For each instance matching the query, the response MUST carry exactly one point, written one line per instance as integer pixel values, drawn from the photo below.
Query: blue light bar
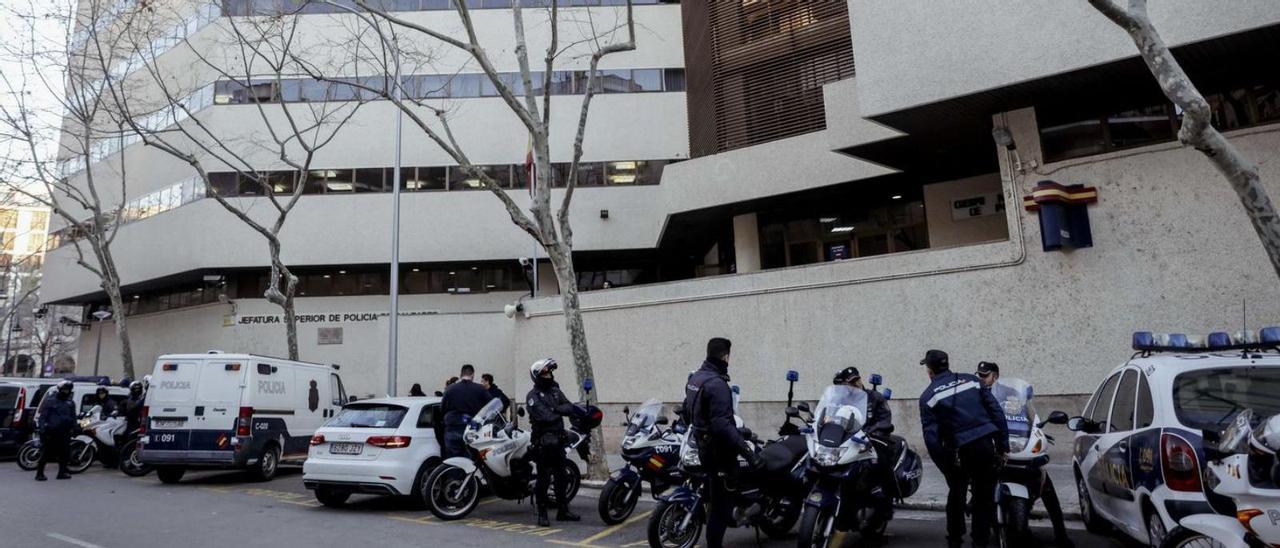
(1269, 335)
(1144, 340)
(1178, 340)
(1218, 340)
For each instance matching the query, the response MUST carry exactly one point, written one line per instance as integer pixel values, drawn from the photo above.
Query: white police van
(215, 410)
(1138, 452)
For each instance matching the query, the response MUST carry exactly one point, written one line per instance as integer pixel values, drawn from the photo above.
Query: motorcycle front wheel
(665, 529)
(80, 456)
(618, 500)
(130, 462)
(1012, 530)
(1182, 537)
(29, 456)
(451, 493)
(780, 518)
(816, 526)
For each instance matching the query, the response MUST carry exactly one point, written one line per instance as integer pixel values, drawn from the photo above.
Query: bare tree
(1197, 130)
(54, 99)
(293, 134)
(548, 225)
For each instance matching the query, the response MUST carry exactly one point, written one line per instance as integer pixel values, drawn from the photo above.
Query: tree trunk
(282, 277)
(1197, 129)
(111, 284)
(562, 262)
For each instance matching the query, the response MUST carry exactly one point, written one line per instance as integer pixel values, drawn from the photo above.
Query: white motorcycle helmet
(539, 367)
(1267, 435)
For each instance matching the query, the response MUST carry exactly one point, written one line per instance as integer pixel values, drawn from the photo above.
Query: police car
(1137, 457)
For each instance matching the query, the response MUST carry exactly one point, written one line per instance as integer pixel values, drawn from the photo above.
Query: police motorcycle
(1022, 476)
(768, 498)
(82, 450)
(1242, 480)
(499, 459)
(849, 491)
(651, 453)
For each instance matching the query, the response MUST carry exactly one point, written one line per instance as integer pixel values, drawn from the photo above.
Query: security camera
(525, 262)
(511, 309)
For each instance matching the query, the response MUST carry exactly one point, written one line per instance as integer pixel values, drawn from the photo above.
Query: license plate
(346, 448)
(157, 423)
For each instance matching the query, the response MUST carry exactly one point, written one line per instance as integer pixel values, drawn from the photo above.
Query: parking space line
(72, 540)
(425, 520)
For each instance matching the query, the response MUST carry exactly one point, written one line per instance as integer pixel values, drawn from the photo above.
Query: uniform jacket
(708, 406)
(957, 409)
(463, 398)
(547, 408)
(57, 416)
(880, 417)
(495, 392)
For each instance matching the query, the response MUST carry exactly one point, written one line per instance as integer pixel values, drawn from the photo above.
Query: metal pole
(394, 343)
(98, 352)
(8, 339)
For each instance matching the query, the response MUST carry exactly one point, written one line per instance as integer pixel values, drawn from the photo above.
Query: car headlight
(826, 456)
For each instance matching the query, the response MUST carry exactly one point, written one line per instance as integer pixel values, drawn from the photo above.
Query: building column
(746, 243)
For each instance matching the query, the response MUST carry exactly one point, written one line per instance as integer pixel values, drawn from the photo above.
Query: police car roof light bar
(1146, 342)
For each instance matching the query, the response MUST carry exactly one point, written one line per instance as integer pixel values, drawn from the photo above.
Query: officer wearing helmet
(56, 421)
(133, 406)
(102, 399)
(879, 421)
(547, 408)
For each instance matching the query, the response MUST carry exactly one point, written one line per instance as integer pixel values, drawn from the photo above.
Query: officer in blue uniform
(968, 439)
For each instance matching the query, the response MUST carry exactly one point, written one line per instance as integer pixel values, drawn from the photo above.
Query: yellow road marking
(587, 541)
(421, 521)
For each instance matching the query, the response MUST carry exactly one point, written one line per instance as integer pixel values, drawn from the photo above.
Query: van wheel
(331, 498)
(268, 463)
(170, 474)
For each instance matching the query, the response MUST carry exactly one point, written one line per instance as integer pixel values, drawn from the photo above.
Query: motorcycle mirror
(1211, 437)
(520, 411)
(1077, 424)
(680, 429)
(626, 410)
(1058, 417)
(793, 412)
(662, 421)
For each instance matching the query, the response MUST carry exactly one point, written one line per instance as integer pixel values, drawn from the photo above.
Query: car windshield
(368, 415)
(1208, 399)
(645, 417)
(1013, 396)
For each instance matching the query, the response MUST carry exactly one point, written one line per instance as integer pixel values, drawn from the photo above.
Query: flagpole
(393, 345)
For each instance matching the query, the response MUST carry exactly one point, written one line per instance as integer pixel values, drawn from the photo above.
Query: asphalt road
(106, 509)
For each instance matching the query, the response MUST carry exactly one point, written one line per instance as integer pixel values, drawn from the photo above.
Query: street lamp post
(102, 316)
(7, 343)
(393, 345)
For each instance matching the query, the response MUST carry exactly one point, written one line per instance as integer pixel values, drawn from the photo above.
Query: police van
(234, 411)
(1138, 454)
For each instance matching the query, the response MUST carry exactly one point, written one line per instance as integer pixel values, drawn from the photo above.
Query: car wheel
(268, 463)
(331, 498)
(1092, 521)
(170, 474)
(420, 481)
(1156, 532)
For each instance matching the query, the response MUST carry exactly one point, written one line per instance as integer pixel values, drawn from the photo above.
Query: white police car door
(1092, 445)
(1116, 460)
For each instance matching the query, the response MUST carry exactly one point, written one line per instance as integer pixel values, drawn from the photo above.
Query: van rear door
(172, 403)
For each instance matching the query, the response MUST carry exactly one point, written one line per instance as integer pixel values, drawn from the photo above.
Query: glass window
(368, 180)
(674, 79)
(281, 182)
(580, 80)
(646, 79)
(466, 280)
(1209, 398)
(590, 174)
(427, 418)
(368, 415)
(335, 180)
(612, 81)
(1122, 408)
(1146, 412)
(1139, 127)
(423, 178)
(1073, 139)
(1266, 103)
(1101, 406)
(465, 85)
(462, 179)
(428, 86)
(342, 91)
(436, 5)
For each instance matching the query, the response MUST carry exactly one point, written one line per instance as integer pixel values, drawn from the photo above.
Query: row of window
(443, 86)
(378, 179)
(278, 7)
(1066, 136)
(155, 121)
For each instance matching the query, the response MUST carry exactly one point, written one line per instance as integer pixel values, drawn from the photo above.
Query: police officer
(968, 439)
(56, 422)
(102, 398)
(462, 399)
(547, 409)
(989, 373)
(132, 407)
(879, 417)
(708, 405)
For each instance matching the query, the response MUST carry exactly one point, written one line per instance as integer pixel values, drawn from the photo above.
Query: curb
(925, 505)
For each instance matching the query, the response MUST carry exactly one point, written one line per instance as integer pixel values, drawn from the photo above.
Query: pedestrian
(463, 398)
(57, 421)
(1019, 423)
(968, 439)
(708, 404)
(416, 391)
(486, 380)
(547, 407)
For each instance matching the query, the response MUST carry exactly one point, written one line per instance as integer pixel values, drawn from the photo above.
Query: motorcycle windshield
(489, 412)
(645, 417)
(1013, 395)
(840, 412)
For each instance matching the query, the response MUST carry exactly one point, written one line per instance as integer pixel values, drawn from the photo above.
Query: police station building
(826, 183)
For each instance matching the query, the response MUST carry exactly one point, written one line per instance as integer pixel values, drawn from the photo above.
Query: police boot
(40, 476)
(563, 514)
(1060, 538)
(542, 517)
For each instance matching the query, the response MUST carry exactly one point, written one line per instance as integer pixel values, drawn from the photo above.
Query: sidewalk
(932, 495)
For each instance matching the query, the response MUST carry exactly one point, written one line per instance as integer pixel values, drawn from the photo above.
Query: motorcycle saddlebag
(907, 473)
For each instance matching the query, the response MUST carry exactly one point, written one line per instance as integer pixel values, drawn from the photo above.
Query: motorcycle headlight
(471, 436)
(691, 459)
(628, 442)
(826, 456)
(1016, 445)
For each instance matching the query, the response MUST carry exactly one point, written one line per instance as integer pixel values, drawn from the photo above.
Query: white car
(1138, 452)
(382, 446)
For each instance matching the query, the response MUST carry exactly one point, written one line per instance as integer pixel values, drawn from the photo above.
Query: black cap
(718, 347)
(846, 375)
(988, 367)
(936, 360)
